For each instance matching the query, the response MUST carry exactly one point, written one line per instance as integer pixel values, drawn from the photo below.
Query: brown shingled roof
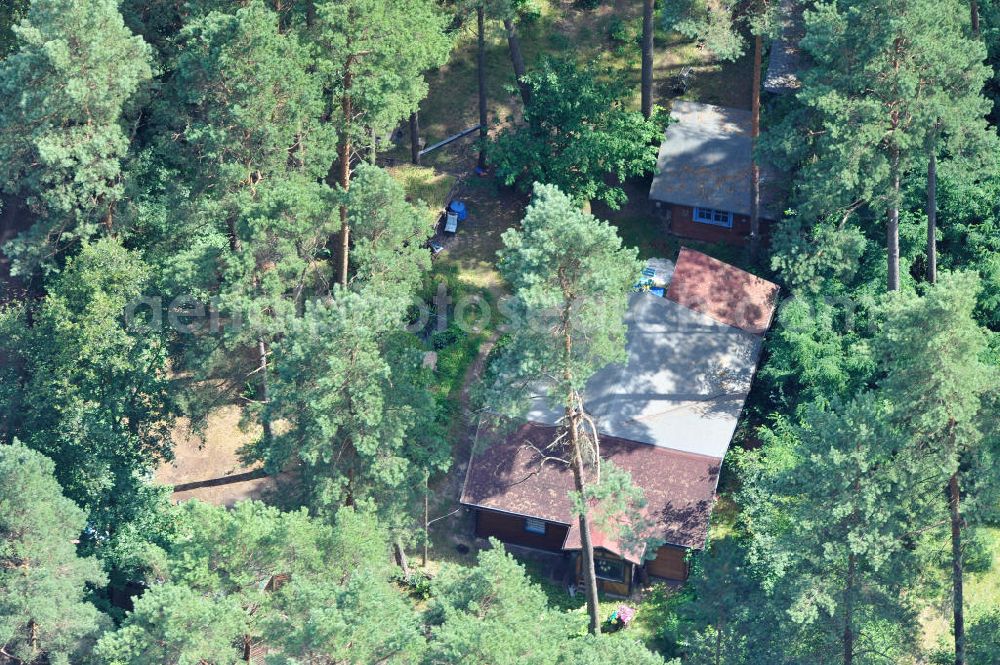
(723, 292)
(679, 487)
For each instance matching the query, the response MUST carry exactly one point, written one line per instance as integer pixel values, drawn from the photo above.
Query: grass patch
(982, 595)
(982, 590)
(647, 234)
(424, 183)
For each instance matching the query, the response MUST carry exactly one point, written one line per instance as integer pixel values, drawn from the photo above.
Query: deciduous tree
(96, 395)
(576, 133)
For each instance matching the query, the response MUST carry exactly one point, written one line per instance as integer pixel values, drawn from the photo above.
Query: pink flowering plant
(621, 617)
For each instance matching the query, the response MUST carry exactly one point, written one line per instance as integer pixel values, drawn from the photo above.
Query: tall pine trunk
(848, 637)
(892, 228)
(573, 422)
(958, 600)
(758, 47)
(344, 150)
(517, 60)
(586, 545)
(481, 73)
(974, 9)
(647, 58)
(932, 217)
(264, 387)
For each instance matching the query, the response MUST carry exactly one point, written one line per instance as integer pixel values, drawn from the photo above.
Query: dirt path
(449, 488)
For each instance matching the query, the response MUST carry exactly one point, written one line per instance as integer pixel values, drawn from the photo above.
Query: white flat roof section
(684, 383)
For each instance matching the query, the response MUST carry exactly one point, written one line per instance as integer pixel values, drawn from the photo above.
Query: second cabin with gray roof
(702, 186)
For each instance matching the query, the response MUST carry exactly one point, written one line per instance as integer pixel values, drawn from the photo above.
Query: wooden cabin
(666, 416)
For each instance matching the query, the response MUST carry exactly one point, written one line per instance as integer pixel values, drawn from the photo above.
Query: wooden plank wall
(668, 564)
(510, 529)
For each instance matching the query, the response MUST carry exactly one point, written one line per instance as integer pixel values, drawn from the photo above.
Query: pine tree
(360, 421)
(173, 624)
(62, 133)
(493, 614)
(44, 616)
(240, 152)
(564, 260)
(241, 557)
(363, 620)
(375, 54)
(883, 73)
(826, 508)
(932, 352)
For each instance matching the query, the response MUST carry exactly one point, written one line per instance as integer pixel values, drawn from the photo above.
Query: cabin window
(531, 525)
(714, 217)
(612, 570)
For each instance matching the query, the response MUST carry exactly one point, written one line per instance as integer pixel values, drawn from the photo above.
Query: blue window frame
(532, 525)
(713, 217)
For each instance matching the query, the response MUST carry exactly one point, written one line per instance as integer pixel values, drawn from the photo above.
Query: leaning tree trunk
(932, 217)
(758, 47)
(415, 138)
(347, 108)
(958, 599)
(516, 59)
(647, 58)
(481, 72)
(892, 228)
(848, 637)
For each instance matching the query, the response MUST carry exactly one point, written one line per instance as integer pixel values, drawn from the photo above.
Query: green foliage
(561, 259)
(175, 624)
(305, 588)
(61, 132)
(44, 616)
(617, 506)
(620, 31)
(243, 119)
(969, 222)
(492, 614)
(711, 22)
(389, 234)
(903, 82)
(932, 351)
(363, 621)
(378, 52)
(11, 14)
(96, 398)
(359, 416)
(826, 508)
(575, 132)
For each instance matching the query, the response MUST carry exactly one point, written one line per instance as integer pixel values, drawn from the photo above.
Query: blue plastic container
(458, 208)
